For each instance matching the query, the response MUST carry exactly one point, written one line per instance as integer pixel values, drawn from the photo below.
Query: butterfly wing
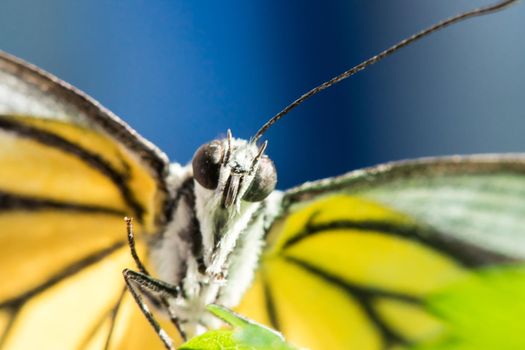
(477, 199)
(351, 261)
(69, 172)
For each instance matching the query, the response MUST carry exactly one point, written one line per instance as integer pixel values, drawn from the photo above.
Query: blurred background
(181, 73)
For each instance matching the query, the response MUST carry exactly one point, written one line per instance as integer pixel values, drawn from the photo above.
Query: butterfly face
(231, 178)
(234, 170)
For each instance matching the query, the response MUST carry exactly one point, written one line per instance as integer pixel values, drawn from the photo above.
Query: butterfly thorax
(211, 246)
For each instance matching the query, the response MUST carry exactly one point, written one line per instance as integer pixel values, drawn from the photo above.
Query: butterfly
(350, 262)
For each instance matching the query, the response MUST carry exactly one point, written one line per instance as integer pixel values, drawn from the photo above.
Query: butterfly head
(235, 170)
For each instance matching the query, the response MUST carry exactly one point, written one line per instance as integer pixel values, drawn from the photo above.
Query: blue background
(182, 72)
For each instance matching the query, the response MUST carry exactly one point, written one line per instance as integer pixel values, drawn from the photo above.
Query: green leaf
(484, 311)
(245, 335)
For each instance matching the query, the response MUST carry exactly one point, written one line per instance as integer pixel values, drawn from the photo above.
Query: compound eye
(206, 164)
(263, 183)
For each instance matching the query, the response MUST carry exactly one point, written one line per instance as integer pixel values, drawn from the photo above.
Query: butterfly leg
(158, 292)
(162, 300)
(131, 243)
(155, 290)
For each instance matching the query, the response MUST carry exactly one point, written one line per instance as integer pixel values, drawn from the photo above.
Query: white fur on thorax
(169, 253)
(206, 203)
(245, 259)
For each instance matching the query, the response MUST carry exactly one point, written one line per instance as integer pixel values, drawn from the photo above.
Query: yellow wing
(69, 172)
(350, 260)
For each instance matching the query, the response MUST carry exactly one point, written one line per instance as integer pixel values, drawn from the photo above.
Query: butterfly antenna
(445, 23)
